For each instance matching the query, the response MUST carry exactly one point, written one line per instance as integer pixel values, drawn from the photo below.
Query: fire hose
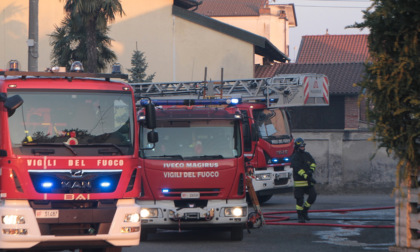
(275, 218)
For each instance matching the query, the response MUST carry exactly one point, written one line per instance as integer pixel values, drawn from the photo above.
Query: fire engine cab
(263, 103)
(194, 176)
(69, 161)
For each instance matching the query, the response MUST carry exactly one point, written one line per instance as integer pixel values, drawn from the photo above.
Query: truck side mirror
(150, 116)
(12, 103)
(152, 137)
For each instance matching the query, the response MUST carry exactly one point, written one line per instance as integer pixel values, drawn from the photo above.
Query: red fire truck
(268, 140)
(194, 176)
(69, 162)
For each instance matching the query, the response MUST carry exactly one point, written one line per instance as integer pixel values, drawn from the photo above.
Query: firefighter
(303, 165)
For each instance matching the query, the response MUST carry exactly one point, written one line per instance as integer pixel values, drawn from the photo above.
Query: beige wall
(274, 25)
(14, 18)
(175, 49)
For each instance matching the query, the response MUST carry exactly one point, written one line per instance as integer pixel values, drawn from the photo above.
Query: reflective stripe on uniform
(313, 166)
(301, 172)
(301, 183)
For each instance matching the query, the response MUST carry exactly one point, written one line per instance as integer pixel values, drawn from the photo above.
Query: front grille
(76, 217)
(204, 192)
(282, 181)
(187, 203)
(75, 181)
(278, 168)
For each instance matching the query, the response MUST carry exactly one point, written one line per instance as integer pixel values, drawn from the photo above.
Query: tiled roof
(217, 8)
(333, 49)
(341, 76)
(266, 71)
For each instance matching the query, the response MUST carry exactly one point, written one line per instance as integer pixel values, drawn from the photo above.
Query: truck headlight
(12, 219)
(263, 176)
(149, 212)
(235, 211)
(134, 217)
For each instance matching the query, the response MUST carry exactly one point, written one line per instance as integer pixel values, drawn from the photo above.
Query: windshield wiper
(175, 157)
(120, 151)
(43, 151)
(208, 157)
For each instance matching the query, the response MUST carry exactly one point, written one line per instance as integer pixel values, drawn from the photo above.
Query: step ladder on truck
(263, 103)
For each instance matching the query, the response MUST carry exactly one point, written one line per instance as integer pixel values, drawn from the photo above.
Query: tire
(107, 249)
(264, 198)
(113, 249)
(144, 234)
(236, 234)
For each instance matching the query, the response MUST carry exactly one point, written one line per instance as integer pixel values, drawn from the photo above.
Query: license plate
(48, 214)
(190, 195)
(281, 175)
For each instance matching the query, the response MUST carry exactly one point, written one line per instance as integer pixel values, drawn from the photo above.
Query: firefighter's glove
(312, 181)
(310, 178)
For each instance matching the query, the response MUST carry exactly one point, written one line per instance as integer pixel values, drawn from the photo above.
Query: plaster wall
(175, 49)
(347, 161)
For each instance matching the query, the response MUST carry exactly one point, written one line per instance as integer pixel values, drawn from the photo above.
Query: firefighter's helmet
(299, 142)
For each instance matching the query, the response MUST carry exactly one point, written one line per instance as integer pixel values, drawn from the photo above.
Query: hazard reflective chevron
(313, 89)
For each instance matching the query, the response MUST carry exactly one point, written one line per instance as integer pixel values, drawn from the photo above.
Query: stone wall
(348, 162)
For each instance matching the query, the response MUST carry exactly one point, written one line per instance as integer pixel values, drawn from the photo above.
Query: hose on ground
(274, 218)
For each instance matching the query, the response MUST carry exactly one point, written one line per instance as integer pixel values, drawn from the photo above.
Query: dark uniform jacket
(303, 165)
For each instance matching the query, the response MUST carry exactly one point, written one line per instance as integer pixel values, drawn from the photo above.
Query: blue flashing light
(235, 101)
(286, 159)
(46, 184)
(274, 160)
(105, 184)
(189, 102)
(165, 190)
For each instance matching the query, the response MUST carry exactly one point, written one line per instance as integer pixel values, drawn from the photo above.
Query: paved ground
(327, 231)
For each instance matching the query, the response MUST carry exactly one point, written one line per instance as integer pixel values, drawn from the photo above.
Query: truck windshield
(190, 140)
(76, 119)
(273, 125)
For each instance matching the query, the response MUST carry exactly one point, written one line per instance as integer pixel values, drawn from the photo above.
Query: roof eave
(262, 46)
(187, 4)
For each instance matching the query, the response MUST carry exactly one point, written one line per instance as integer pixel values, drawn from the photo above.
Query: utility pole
(33, 36)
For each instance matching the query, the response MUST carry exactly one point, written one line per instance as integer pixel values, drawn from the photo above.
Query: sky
(315, 17)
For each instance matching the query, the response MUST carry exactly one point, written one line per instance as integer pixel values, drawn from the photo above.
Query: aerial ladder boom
(282, 90)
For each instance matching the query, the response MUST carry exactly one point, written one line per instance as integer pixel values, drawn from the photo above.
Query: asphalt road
(365, 230)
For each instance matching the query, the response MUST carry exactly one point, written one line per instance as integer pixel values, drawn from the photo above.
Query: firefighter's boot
(301, 218)
(305, 213)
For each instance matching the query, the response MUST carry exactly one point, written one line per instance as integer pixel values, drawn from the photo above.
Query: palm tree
(83, 34)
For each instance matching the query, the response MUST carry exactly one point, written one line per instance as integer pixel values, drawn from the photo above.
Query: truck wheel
(113, 249)
(143, 235)
(236, 234)
(264, 198)
(107, 249)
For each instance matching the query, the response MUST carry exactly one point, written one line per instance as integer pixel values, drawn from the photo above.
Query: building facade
(178, 44)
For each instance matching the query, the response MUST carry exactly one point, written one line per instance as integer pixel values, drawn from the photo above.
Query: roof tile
(333, 49)
(266, 71)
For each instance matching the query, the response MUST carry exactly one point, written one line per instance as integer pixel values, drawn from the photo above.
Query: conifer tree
(139, 66)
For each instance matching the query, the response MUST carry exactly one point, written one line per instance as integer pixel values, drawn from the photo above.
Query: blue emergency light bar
(190, 102)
